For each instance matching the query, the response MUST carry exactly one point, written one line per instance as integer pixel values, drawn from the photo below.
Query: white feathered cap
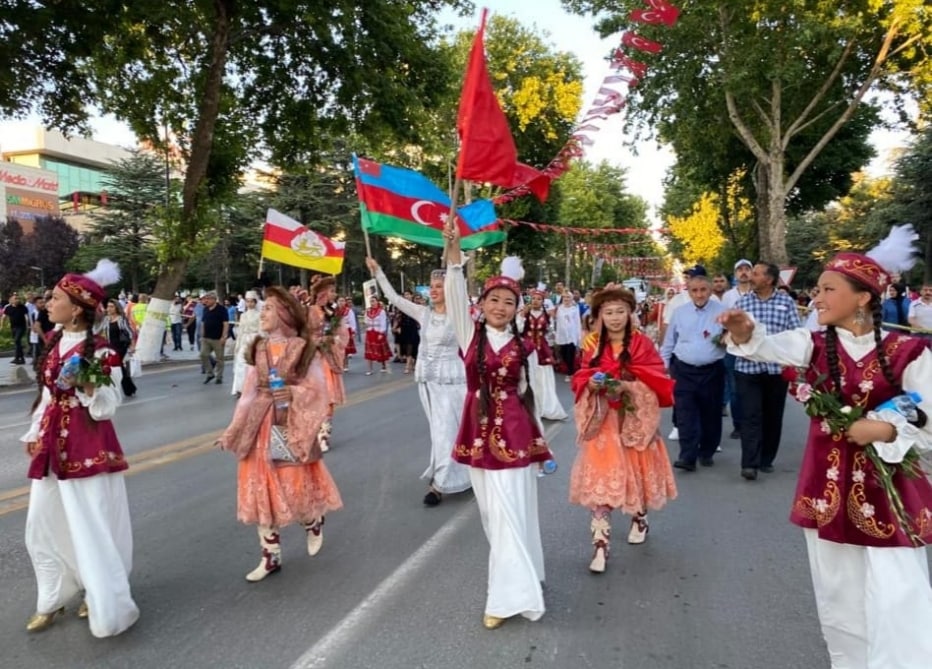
(87, 290)
(510, 278)
(893, 255)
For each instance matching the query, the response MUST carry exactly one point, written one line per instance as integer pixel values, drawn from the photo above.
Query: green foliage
(912, 194)
(40, 257)
(125, 230)
(759, 79)
(227, 79)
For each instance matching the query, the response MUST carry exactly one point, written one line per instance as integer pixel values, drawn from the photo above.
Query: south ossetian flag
(290, 243)
(396, 202)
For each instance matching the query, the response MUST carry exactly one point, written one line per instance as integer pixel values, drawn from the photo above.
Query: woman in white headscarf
(246, 332)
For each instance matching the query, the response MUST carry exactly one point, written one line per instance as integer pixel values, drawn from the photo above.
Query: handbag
(278, 446)
(134, 365)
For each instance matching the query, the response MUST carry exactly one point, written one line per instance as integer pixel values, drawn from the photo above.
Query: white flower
(867, 510)
(73, 402)
(63, 433)
(88, 463)
(866, 386)
(832, 473)
(846, 409)
(821, 506)
(63, 456)
(824, 426)
(522, 454)
(478, 394)
(499, 421)
(504, 444)
(502, 371)
(477, 442)
(483, 421)
(804, 392)
(503, 395)
(857, 476)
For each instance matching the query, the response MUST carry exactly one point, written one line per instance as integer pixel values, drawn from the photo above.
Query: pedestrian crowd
(486, 370)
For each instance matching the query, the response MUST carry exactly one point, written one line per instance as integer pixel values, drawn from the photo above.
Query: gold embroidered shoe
(42, 621)
(82, 610)
(492, 622)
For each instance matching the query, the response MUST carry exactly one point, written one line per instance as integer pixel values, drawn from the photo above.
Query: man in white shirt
(920, 311)
(742, 287)
(742, 284)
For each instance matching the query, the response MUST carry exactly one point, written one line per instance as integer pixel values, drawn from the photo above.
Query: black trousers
(763, 398)
(568, 355)
(697, 397)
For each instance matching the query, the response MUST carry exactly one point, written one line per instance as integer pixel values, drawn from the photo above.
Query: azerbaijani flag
(290, 243)
(396, 202)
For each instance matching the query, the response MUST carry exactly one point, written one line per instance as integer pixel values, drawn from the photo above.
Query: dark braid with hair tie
(831, 354)
(603, 337)
(90, 344)
(876, 308)
(481, 339)
(527, 397)
(625, 356)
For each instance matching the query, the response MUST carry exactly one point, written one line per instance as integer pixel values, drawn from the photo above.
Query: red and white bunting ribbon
(609, 100)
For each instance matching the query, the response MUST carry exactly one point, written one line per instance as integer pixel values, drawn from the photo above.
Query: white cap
(744, 261)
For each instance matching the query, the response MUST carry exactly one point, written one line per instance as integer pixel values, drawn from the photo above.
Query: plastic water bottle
(277, 383)
(68, 372)
(547, 468)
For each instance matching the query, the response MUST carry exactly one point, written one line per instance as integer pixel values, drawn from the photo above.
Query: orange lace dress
(622, 461)
(278, 495)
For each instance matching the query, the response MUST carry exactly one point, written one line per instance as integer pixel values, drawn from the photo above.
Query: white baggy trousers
(78, 534)
(875, 604)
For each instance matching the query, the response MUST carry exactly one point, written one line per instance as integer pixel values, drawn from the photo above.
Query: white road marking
(11, 425)
(342, 633)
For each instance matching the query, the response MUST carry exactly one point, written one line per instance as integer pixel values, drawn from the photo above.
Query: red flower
(112, 360)
(706, 333)
(106, 369)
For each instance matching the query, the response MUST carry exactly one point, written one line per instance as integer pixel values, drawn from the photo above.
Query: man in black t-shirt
(214, 330)
(18, 315)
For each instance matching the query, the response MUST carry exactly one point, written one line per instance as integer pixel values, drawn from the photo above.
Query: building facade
(40, 163)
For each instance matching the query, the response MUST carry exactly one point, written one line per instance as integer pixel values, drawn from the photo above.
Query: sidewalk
(22, 375)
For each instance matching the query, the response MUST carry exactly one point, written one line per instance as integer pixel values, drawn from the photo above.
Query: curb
(14, 383)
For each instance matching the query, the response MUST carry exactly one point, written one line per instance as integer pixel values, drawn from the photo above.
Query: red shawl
(646, 365)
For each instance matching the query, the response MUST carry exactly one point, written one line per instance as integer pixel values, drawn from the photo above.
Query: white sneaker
(674, 435)
(718, 450)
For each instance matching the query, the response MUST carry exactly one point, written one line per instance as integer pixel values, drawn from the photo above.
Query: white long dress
(507, 498)
(246, 332)
(874, 603)
(78, 531)
(441, 385)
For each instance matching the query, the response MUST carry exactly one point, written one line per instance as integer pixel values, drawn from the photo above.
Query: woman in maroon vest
(78, 530)
(865, 539)
(499, 438)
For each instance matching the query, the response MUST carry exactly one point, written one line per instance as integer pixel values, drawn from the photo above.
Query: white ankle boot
(639, 529)
(315, 536)
(601, 540)
(271, 561)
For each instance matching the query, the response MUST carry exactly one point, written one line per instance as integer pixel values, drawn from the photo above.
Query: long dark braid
(481, 340)
(831, 356)
(625, 356)
(527, 397)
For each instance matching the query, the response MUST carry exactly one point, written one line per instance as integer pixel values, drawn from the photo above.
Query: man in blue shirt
(761, 387)
(694, 356)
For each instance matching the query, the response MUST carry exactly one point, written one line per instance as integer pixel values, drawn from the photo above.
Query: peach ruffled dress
(622, 461)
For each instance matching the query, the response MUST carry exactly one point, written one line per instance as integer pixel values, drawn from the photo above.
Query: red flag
(487, 149)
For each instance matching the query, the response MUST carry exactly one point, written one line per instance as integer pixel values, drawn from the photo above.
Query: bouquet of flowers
(837, 417)
(333, 318)
(612, 386)
(96, 371)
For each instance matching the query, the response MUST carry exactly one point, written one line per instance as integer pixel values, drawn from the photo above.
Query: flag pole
(451, 218)
(259, 273)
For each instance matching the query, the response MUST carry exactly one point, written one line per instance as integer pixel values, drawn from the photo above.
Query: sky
(646, 163)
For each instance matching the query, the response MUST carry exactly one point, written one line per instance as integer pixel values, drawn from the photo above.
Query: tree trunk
(173, 272)
(771, 210)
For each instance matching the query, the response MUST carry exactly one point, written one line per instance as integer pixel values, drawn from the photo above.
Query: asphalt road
(722, 581)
